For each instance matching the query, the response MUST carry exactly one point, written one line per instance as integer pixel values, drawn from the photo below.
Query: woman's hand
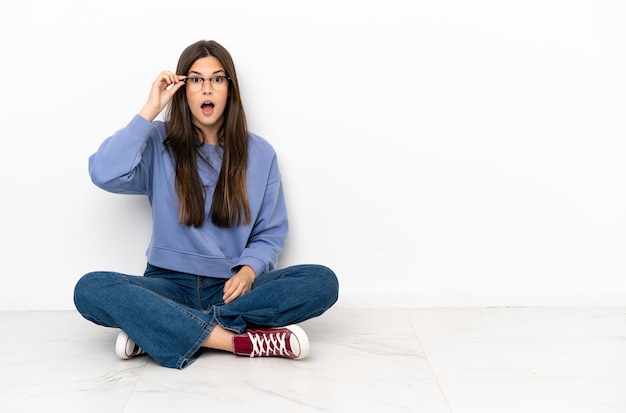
(163, 88)
(239, 284)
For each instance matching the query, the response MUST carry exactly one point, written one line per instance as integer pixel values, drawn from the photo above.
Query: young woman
(219, 223)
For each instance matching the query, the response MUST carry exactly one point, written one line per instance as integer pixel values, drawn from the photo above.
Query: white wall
(433, 152)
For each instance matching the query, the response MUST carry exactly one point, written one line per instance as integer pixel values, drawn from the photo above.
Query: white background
(434, 153)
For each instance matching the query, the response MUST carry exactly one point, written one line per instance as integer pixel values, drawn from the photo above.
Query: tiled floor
(456, 360)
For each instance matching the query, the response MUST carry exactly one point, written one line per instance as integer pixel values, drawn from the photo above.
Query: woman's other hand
(239, 284)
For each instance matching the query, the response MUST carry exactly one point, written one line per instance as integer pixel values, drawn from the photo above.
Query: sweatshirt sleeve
(270, 228)
(121, 163)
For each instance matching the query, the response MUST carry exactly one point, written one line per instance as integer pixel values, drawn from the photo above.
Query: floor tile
(537, 395)
(58, 359)
(281, 388)
(451, 360)
(526, 357)
(511, 322)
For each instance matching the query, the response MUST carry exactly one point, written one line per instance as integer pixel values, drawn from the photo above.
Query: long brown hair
(230, 199)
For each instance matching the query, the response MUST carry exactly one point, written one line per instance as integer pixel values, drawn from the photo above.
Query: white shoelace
(269, 344)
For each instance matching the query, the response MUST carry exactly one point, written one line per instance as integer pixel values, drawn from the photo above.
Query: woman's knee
(93, 285)
(96, 294)
(330, 277)
(333, 284)
(326, 281)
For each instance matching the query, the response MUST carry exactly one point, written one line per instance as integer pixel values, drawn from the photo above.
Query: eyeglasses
(218, 83)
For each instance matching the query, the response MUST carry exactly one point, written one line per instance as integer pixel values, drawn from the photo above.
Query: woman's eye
(195, 79)
(218, 79)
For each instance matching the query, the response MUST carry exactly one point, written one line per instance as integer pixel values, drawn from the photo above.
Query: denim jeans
(170, 314)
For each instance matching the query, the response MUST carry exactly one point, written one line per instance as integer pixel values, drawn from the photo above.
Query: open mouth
(207, 107)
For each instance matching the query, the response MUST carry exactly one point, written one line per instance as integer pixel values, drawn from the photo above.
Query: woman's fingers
(161, 92)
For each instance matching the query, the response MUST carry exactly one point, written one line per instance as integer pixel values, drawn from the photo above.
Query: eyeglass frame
(210, 79)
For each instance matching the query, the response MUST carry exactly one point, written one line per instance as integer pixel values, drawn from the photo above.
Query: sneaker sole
(303, 340)
(120, 345)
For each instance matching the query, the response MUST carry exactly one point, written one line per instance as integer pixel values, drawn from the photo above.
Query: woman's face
(207, 104)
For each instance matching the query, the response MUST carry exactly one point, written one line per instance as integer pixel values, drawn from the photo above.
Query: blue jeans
(170, 314)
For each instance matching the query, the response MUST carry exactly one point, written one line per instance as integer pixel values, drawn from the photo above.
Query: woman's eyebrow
(198, 73)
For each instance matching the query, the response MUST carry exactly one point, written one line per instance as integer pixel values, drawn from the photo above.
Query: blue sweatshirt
(135, 161)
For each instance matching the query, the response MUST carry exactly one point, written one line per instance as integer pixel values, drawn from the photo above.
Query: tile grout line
(428, 361)
(132, 392)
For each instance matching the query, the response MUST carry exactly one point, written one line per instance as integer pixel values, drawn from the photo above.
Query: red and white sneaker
(126, 348)
(290, 342)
